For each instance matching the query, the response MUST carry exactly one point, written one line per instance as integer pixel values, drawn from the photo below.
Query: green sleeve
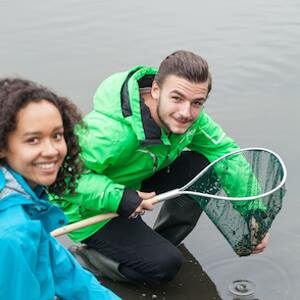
(96, 193)
(211, 141)
(100, 148)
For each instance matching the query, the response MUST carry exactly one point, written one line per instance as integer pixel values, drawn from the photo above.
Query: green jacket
(122, 146)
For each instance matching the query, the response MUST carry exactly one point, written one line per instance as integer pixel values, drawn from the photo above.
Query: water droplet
(242, 287)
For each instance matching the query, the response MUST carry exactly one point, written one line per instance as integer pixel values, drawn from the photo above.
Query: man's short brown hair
(184, 64)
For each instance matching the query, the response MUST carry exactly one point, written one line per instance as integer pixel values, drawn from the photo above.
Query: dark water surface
(253, 48)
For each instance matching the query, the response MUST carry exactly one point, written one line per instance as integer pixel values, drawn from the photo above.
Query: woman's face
(37, 148)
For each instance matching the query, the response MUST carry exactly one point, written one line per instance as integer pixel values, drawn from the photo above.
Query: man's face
(179, 103)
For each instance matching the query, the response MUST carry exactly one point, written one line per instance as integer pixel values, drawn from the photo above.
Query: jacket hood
(11, 183)
(124, 87)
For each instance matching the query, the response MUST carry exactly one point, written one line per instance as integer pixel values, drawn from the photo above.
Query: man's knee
(166, 266)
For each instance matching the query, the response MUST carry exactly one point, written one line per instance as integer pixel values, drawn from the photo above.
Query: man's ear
(155, 90)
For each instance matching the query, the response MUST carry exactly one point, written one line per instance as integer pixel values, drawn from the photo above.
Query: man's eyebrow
(203, 99)
(178, 93)
(183, 96)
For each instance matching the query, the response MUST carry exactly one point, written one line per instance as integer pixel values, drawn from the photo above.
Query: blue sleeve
(72, 282)
(16, 276)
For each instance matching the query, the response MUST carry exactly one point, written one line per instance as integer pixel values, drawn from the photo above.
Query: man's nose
(185, 110)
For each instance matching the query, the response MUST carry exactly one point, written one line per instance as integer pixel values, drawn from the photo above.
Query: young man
(132, 148)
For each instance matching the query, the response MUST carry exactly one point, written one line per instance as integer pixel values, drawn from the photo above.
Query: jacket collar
(135, 109)
(12, 183)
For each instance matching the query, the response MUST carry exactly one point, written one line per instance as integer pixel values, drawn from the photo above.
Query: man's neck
(151, 103)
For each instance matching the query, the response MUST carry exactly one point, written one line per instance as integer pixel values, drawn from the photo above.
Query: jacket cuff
(129, 202)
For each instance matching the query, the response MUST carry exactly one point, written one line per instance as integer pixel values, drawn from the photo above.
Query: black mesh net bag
(241, 193)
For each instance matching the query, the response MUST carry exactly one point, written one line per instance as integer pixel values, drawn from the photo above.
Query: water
(253, 49)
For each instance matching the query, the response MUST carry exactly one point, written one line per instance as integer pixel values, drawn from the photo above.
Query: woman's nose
(49, 148)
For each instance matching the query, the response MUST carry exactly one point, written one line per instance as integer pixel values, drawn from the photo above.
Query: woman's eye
(58, 136)
(32, 140)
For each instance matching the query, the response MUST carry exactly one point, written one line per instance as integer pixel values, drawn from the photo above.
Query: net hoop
(182, 190)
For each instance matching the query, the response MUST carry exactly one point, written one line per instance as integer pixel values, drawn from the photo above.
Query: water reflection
(270, 279)
(253, 50)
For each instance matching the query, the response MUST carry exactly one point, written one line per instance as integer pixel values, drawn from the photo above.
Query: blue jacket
(33, 265)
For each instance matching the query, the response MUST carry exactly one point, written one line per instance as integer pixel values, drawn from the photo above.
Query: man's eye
(176, 98)
(198, 104)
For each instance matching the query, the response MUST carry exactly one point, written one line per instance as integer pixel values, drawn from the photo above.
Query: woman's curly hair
(16, 93)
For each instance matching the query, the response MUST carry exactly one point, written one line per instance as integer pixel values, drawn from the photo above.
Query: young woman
(38, 153)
